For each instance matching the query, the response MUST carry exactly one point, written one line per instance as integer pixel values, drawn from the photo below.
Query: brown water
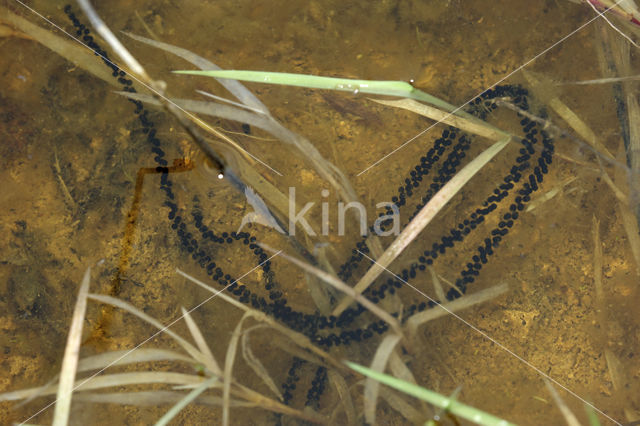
(71, 151)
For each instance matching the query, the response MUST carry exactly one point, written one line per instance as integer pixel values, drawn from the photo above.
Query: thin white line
(155, 334)
(493, 85)
(139, 81)
(495, 342)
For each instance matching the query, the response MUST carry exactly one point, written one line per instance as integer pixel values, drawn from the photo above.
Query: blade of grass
(475, 126)
(255, 364)
(114, 358)
(464, 302)
(422, 219)
(454, 407)
(68, 49)
(568, 415)
(326, 169)
(110, 380)
(344, 396)
(371, 386)
(188, 347)
(597, 261)
(71, 353)
(437, 287)
(571, 118)
(374, 87)
(154, 398)
(212, 364)
(235, 88)
(180, 405)
(229, 360)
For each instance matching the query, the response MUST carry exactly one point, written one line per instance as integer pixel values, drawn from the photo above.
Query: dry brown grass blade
(154, 398)
(115, 358)
(254, 362)
(399, 369)
(185, 401)
(272, 405)
(474, 126)
(616, 370)
(68, 49)
(597, 260)
(236, 88)
(229, 360)
(325, 169)
(570, 117)
(188, 347)
(212, 364)
(422, 219)
(464, 302)
(344, 397)
(371, 386)
(71, 354)
(110, 380)
(286, 345)
(437, 287)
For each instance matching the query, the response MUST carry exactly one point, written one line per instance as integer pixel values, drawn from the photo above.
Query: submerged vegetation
(334, 301)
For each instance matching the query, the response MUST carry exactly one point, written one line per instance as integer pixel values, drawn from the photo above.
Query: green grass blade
(375, 87)
(451, 405)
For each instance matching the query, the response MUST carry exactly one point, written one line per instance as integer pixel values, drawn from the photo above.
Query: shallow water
(73, 151)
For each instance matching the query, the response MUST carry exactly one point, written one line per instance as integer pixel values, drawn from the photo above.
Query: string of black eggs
(444, 157)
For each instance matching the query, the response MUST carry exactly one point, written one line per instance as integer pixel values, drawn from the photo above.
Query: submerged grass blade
(454, 407)
(153, 398)
(374, 87)
(255, 364)
(464, 302)
(212, 365)
(114, 358)
(71, 352)
(229, 360)
(110, 380)
(68, 49)
(372, 386)
(173, 411)
(188, 347)
(343, 396)
(235, 88)
(568, 415)
(475, 125)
